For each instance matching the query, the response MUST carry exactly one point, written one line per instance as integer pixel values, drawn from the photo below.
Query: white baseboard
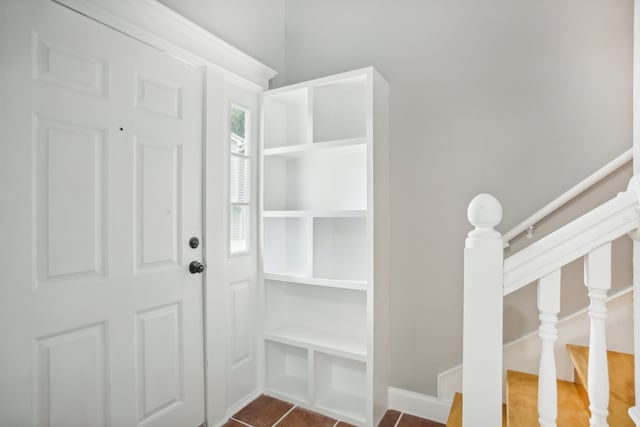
(235, 408)
(523, 354)
(420, 405)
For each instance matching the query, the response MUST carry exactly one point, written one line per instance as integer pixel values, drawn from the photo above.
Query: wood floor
(521, 409)
(267, 411)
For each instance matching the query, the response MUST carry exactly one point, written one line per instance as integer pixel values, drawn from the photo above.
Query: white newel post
(597, 277)
(549, 307)
(482, 327)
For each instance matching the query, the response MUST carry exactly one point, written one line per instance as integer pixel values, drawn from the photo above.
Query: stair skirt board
(523, 354)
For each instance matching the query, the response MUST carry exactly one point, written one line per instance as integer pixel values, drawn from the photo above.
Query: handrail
(568, 195)
(604, 224)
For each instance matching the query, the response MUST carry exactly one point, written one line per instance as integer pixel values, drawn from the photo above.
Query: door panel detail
(64, 67)
(160, 359)
(158, 175)
(70, 200)
(70, 382)
(157, 96)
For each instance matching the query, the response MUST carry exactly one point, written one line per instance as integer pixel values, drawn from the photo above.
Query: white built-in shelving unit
(325, 231)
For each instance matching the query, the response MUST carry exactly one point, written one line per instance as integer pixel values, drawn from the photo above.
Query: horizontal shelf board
(361, 73)
(357, 285)
(315, 214)
(349, 347)
(301, 149)
(345, 404)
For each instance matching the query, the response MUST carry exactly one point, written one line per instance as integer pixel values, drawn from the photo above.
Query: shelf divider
(356, 285)
(349, 347)
(297, 149)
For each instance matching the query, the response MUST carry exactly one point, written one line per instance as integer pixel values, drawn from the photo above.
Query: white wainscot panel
(158, 217)
(63, 66)
(70, 379)
(241, 335)
(70, 165)
(155, 95)
(160, 360)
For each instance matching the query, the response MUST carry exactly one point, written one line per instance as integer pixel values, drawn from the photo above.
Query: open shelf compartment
(340, 385)
(324, 318)
(340, 249)
(286, 119)
(287, 371)
(339, 110)
(286, 246)
(333, 179)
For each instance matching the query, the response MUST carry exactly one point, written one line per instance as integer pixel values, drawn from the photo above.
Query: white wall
(253, 26)
(521, 99)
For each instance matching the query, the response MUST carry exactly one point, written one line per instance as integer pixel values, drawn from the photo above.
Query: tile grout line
(398, 421)
(282, 417)
(241, 422)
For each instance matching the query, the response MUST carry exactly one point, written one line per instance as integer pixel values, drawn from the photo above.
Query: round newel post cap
(484, 212)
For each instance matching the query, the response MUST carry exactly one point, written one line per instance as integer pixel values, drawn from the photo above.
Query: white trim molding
(156, 25)
(420, 405)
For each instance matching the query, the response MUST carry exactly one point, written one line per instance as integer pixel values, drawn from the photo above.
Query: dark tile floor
(267, 411)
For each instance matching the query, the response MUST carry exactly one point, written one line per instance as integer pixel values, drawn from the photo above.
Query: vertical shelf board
(287, 371)
(285, 243)
(378, 232)
(316, 317)
(286, 119)
(340, 248)
(339, 110)
(330, 179)
(340, 386)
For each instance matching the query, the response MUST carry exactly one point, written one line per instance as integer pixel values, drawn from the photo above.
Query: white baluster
(549, 307)
(597, 275)
(634, 411)
(482, 331)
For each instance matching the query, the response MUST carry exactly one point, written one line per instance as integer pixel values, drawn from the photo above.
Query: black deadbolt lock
(194, 242)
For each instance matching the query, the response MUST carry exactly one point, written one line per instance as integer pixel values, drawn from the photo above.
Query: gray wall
(254, 26)
(520, 99)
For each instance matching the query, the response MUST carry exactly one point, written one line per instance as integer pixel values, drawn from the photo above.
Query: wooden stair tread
(455, 415)
(621, 382)
(522, 402)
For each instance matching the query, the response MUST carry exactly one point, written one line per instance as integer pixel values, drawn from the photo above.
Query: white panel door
(101, 321)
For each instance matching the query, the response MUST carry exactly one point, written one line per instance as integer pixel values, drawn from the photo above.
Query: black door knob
(196, 267)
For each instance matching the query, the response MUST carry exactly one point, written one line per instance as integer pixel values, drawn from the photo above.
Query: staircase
(602, 394)
(521, 409)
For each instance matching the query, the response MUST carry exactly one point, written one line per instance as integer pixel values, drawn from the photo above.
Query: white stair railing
(549, 307)
(488, 278)
(483, 275)
(597, 277)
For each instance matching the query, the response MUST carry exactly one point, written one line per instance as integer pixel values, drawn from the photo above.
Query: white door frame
(158, 26)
